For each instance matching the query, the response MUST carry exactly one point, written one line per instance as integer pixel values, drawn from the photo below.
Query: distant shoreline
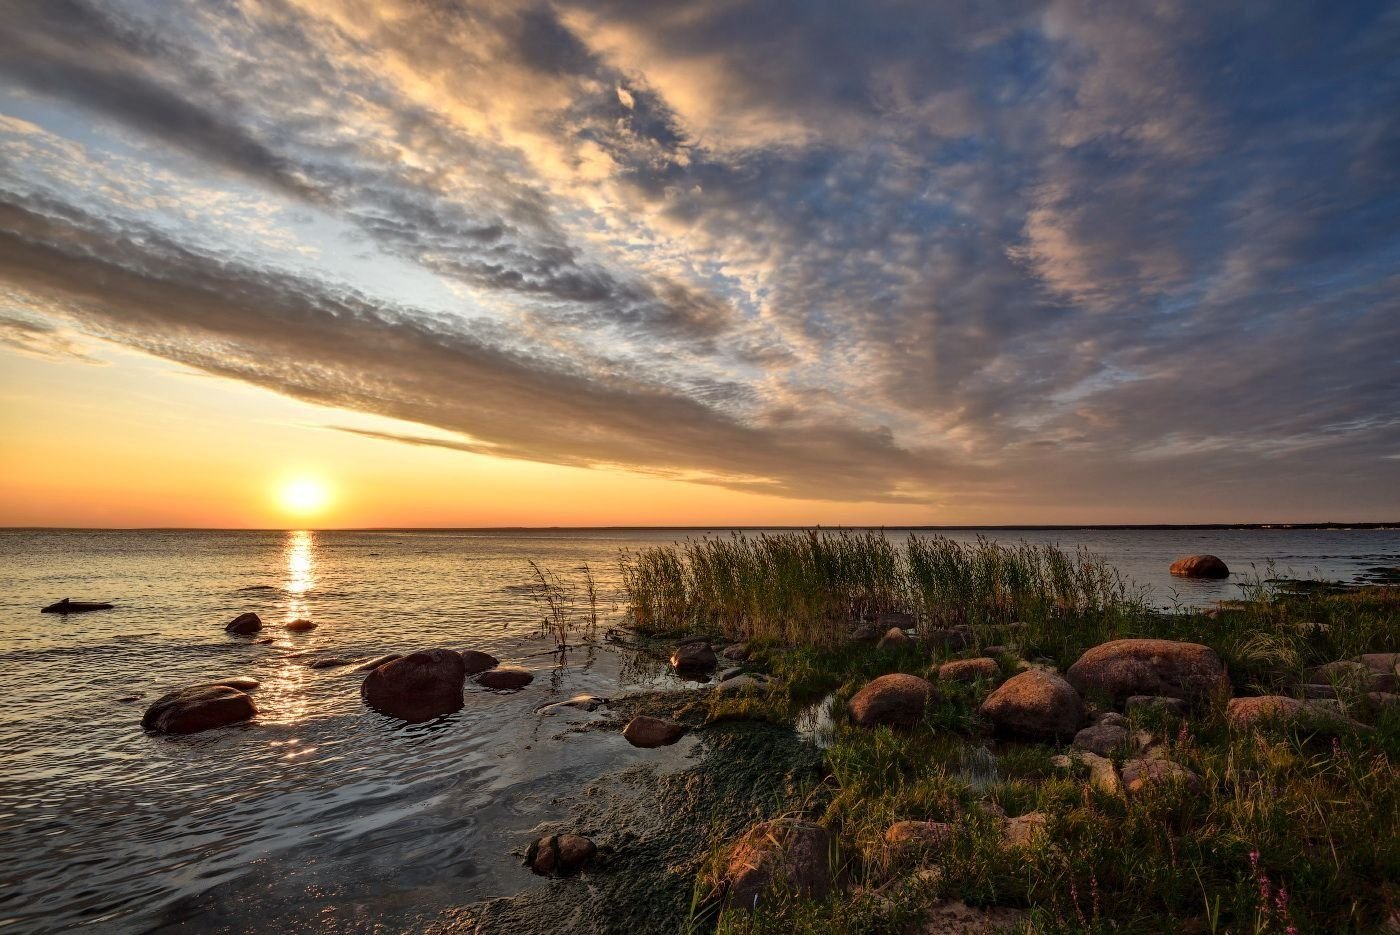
(1126, 527)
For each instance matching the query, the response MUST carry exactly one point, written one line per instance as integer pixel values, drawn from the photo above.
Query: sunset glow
(304, 496)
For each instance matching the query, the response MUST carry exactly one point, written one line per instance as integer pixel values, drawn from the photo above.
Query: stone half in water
(417, 687)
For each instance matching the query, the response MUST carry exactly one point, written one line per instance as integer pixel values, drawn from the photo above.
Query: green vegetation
(1292, 831)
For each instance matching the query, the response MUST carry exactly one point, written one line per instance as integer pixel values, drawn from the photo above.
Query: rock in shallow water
(417, 687)
(1200, 566)
(300, 625)
(377, 662)
(505, 678)
(576, 703)
(329, 662)
(203, 707)
(244, 624)
(646, 731)
(241, 682)
(897, 700)
(560, 855)
(477, 661)
(694, 657)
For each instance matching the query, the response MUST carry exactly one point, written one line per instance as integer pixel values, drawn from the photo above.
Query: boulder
(417, 687)
(1380, 663)
(646, 731)
(329, 662)
(1354, 674)
(1379, 702)
(244, 624)
(505, 678)
(377, 661)
(996, 652)
(300, 625)
(560, 855)
(968, 670)
(897, 700)
(894, 638)
(1026, 830)
(1101, 739)
(785, 857)
(202, 707)
(918, 835)
(738, 652)
(477, 661)
(1323, 716)
(1200, 566)
(576, 703)
(894, 619)
(866, 632)
(694, 657)
(241, 682)
(731, 673)
(1102, 774)
(1143, 704)
(1111, 719)
(1123, 668)
(1142, 772)
(1035, 704)
(951, 638)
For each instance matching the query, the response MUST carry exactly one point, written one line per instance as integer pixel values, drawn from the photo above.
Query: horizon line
(1338, 525)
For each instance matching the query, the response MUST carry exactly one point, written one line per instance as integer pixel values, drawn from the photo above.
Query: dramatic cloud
(943, 253)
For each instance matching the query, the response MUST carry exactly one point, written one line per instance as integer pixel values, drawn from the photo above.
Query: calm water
(323, 814)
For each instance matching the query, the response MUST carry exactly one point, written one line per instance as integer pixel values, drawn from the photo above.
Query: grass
(1293, 832)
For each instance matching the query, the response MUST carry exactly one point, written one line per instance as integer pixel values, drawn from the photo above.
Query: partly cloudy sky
(949, 261)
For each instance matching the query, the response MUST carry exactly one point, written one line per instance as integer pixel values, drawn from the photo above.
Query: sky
(446, 263)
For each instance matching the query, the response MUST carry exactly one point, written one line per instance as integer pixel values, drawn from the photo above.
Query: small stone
(505, 678)
(996, 652)
(894, 638)
(1382, 701)
(244, 624)
(1380, 663)
(478, 662)
(952, 638)
(968, 670)
(1112, 719)
(1356, 675)
(200, 708)
(241, 682)
(1102, 775)
(737, 652)
(743, 684)
(694, 658)
(792, 856)
(1322, 715)
(647, 732)
(300, 625)
(576, 703)
(329, 662)
(1142, 772)
(1102, 739)
(560, 855)
(921, 835)
(1026, 830)
(728, 674)
(1142, 704)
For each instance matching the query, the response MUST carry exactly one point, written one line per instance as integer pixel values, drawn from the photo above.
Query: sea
(321, 814)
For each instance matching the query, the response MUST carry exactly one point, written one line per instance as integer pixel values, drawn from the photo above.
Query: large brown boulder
(1035, 704)
(785, 857)
(1200, 566)
(897, 700)
(202, 707)
(647, 731)
(417, 687)
(1123, 668)
(560, 855)
(244, 624)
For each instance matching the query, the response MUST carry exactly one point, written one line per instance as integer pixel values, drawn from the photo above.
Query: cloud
(1045, 252)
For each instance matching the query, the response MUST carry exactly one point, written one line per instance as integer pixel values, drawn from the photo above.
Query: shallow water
(323, 814)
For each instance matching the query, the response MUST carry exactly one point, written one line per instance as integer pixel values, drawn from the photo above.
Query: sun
(303, 496)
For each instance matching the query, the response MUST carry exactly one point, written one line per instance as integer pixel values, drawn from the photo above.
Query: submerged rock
(330, 662)
(694, 657)
(648, 732)
(300, 625)
(1200, 566)
(968, 670)
(200, 708)
(417, 687)
(1035, 704)
(576, 703)
(897, 700)
(477, 661)
(560, 855)
(68, 606)
(1123, 668)
(241, 682)
(785, 857)
(244, 624)
(505, 678)
(377, 661)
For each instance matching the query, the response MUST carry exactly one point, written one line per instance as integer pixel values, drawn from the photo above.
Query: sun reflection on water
(301, 570)
(283, 697)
